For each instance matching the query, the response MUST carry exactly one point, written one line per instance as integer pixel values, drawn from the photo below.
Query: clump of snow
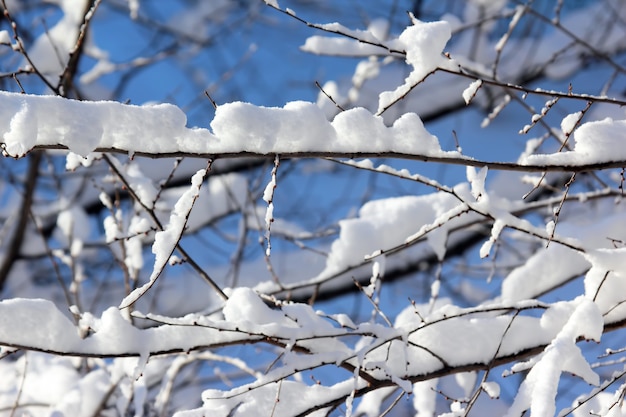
(425, 397)
(519, 12)
(324, 45)
(244, 305)
(246, 127)
(569, 122)
(557, 263)
(365, 70)
(268, 197)
(60, 332)
(375, 38)
(133, 7)
(22, 133)
(52, 48)
(102, 67)
(491, 388)
(470, 92)
(73, 161)
(74, 228)
(222, 195)
(5, 38)
(134, 258)
(602, 404)
(407, 133)
(38, 378)
(496, 229)
(273, 3)
(386, 223)
(423, 43)
(595, 142)
(112, 229)
(477, 181)
(291, 399)
(140, 183)
(550, 226)
(604, 280)
(539, 389)
(601, 140)
(50, 120)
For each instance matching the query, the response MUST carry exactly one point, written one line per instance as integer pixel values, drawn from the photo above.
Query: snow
(222, 195)
(28, 121)
(140, 183)
(477, 181)
(603, 404)
(375, 37)
(557, 263)
(165, 241)
(604, 280)
(445, 329)
(470, 92)
(423, 43)
(268, 197)
(496, 229)
(594, 142)
(569, 122)
(323, 45)
(244, 304)
(45, 379)
(384, 224)
(415, 346)
(425, 397)
(365, 70)
(286, 398)
(52, 48)
(519, 12)
(550, 227)
(539, 389)
(114, 335)
(371, 403)
(273, 3)
(49, 120)
(491, 388)
(73, 224)
(5, 38)
(133, 244)
(133, 7)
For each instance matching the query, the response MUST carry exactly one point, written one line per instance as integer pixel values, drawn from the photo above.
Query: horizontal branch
(452, 160)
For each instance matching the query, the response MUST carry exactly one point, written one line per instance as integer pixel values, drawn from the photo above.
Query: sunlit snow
(28, 121)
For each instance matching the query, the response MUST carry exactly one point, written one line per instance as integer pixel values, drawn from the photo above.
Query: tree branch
(13, 247)
(452, 160)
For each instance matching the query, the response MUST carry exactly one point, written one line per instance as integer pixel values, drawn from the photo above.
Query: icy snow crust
(27, 121)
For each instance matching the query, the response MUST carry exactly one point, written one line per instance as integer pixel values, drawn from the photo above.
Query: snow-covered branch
(444, 224)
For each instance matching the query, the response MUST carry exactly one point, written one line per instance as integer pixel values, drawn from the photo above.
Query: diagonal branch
(14, 245)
